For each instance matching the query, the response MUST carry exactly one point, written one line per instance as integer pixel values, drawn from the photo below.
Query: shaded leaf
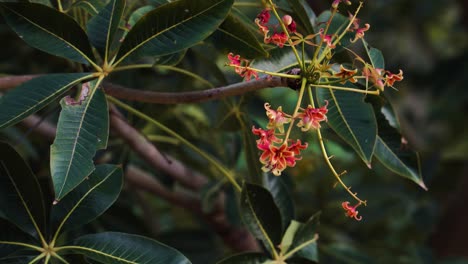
(82, 129)
(49, 30)
(11, 233)
(90, 199)
(352, 119)
(281, 196)
(21, 197)
(112, 247)
(171, 59)
(102, 28)
(305, 15)
(173, 27)
(35, 94)
(245, 258)
(235, 37)
(375, 56)
(306, 237)
(261, 215)
(138, 14)
(251, 152)
(92, 7)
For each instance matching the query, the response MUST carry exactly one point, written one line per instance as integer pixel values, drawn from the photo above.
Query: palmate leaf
(103, 27)
(82, 129)
(112, 247)
(49, 30)
(173, 27)
(235, 37)
(21, 197)
(35, 94)
(352, 119)
(261, 215)
(90, 199)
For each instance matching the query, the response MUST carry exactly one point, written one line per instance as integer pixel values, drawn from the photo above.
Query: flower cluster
(279, 153)
(242, 66)
(380, 77)
(277, 38)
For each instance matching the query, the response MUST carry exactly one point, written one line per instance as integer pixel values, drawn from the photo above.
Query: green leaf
(92, 7)
(352, 119)
(82, 129)
(235, 37)
(138, 14)
(305, 15)
(281, 196)
(173, 27)
(306, 238)
(288, 236)
(376, 57)
(245, 258)
(112, 247)
(90, 199)
(261, 215)
(35, 94)
(11, 233)
(394, 155)
(103, 27)
(44, 2)
(250, 146)
(49, 30)
(21, 197)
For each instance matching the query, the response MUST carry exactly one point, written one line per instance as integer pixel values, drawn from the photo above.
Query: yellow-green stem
(298, 105)
(39, 257)
(375, 92)
(327, 158)
(285, 30)
(26, 245)
(284, 75)
(317, 50)
(171, 132)
(59, 4)
(303, 245)
(57, 256)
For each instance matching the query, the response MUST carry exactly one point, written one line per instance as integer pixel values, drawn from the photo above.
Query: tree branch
(129, 94)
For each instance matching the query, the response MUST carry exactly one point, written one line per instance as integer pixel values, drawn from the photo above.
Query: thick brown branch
(146, 150)
(121, 92)
(237, 238)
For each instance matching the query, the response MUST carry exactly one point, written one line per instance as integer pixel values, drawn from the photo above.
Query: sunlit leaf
(173, 27)
(261, 215)
(82, 129)
(306, 239)
(35, 94)
(233, 36)
(111, 247)
(352, 119)
(245, 258)
(49, 30)
(90, 199)
(102, 28)
(21, 197)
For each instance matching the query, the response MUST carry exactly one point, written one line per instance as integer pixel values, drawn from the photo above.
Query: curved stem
(327, 158)
(285, 30)
(375, 92)
(22, 245)
(298, 105)
(171, 132)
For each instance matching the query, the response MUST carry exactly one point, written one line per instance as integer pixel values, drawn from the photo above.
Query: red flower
(263, 17)
(312, 117)
(375, 75)
(391, 78)
(267, 137)
(351, 210)
(279, 39)
(241, 66)
(327, 39)
(360, 32)
(276, 159)
(277, 118)
(289, 22)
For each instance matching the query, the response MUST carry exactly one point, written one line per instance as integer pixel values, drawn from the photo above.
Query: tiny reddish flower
(351, 210)
(337, 2)
(290, 23)
(263, 17)
(277, 118)
(276, 159)
(391, 78)
(279, 39)
(267, 137)
(360, 32)
(327, 39)
(311, 117)
(346, 75)
(234, 59)
(241, 66)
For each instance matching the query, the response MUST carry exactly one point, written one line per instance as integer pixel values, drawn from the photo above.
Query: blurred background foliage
(401, 224)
